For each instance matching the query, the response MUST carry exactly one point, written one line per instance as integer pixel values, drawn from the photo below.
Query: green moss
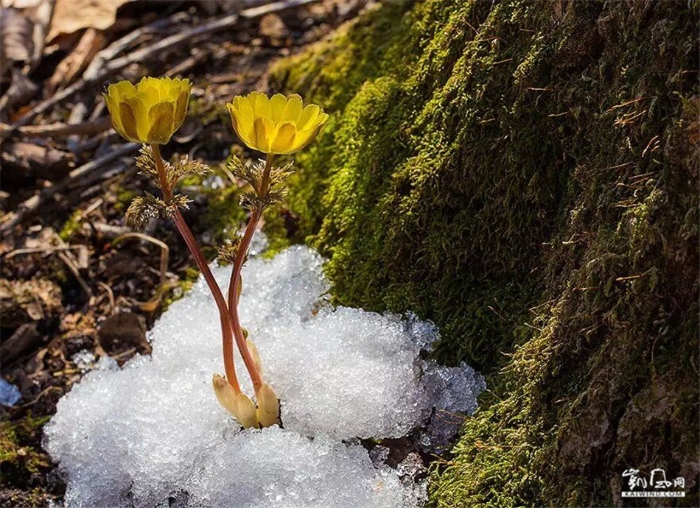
(183, 285)
(124, 199)
(19, 458)
(335, 69)
(522, 173)
(224, 215)
(72, 225)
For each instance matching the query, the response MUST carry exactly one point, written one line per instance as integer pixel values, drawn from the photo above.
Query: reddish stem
(192, 244)
(236, 279)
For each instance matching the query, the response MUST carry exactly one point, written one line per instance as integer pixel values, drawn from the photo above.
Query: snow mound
(153, 430)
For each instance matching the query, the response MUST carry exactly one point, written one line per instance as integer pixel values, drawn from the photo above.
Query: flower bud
(268, 407)
(238, 404)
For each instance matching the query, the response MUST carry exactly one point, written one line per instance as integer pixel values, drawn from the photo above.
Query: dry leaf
(21, 90)
(72, 15)
(90, 44)
(15, 37)
(22, 160)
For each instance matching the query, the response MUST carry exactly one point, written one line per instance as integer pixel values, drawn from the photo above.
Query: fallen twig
(47, 249)
(56, 130)
(215, 26)
(73, 265)
(152, 304)
(110, 294)
(103, 68)
(164, 250)
(94, 71)
(32, 204)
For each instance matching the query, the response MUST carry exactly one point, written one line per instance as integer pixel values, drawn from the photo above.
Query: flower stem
(236, 278)
(162, 176)
(193, 246)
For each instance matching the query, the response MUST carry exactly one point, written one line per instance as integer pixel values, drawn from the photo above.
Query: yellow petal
(284, 138)
(140, 110)
(242, 110)
(234, 118)
(308, 115)
(128, 119)
(268, 412)
(151, 90)
(171, 88)
(261, 105)
(121, 90)
(161, 118)
(182, 101)
(113, 109)
(278, 102)
(323, 119)
(244, 106)
(242, 128)
(304, 138)
(292, 110)
(263, 130)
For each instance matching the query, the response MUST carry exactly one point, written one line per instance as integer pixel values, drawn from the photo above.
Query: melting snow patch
(153, 430)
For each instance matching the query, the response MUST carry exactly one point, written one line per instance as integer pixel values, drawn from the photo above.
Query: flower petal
(242, 124)
(261, 104)
(182, 101)
(304, 138)
(284, 138)
(113, 109)
(293, 109)
(242, 109)
(161, 119)
(121, 90)
(277, 104)
(263, 130)
(150, 89)
(140, 111)
(128, 119)
(308, 115)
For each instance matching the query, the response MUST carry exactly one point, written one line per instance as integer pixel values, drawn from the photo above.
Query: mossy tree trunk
(524, 174)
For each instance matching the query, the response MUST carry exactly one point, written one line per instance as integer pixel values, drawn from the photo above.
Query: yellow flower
(149, 112)
(276, 125)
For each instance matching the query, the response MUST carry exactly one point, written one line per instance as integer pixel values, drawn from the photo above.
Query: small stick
(110, 294)
(164, 252)
(32, 204)
(49, 249)
(96, 74)
(55, 130)
(76, 273)
(214, 26)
